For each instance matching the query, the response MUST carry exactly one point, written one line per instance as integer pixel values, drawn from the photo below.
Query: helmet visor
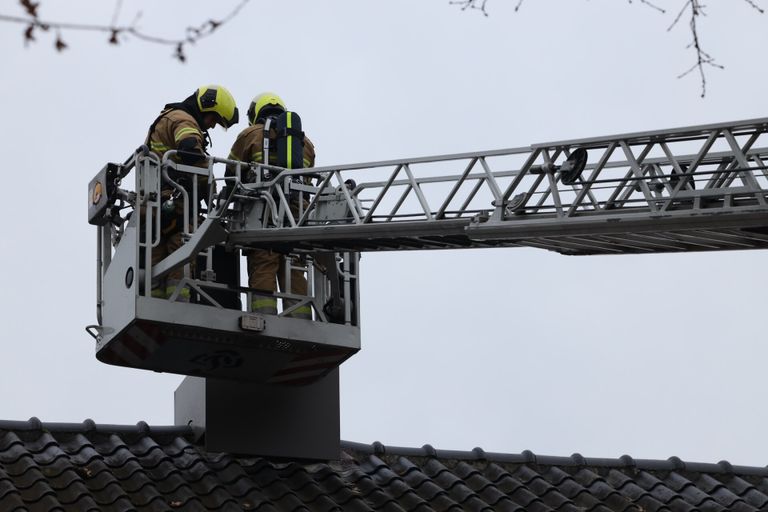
(226, 123)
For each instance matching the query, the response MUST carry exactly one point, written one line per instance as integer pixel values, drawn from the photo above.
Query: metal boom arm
(686, 189)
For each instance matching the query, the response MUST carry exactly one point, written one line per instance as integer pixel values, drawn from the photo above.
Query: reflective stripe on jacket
(173, 127)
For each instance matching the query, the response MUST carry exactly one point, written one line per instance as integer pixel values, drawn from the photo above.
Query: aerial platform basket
(209, 331)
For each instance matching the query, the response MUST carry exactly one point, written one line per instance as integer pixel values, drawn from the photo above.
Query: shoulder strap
(265, 144)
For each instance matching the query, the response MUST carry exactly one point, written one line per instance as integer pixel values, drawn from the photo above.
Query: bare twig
(696, 9)
(646, 2)
(755, 6)
(471, 4)
(653, 6)
(192, 34)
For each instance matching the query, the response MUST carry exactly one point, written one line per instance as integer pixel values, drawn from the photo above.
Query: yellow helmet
(217, 99)
(265, 104)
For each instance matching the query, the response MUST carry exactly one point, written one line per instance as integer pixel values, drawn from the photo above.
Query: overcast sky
(506, 349)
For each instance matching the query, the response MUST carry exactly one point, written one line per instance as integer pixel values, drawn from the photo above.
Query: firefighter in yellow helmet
(267, 268)
(184, 127)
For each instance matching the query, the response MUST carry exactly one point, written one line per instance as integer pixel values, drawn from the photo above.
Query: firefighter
(266, 269)
(184, 127)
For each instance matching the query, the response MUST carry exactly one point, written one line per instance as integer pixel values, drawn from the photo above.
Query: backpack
(289, 140)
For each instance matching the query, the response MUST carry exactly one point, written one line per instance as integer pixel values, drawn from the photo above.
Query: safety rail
(204, 229)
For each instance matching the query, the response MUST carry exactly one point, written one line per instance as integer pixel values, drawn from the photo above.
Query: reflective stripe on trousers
(268, 306)
(264, 305)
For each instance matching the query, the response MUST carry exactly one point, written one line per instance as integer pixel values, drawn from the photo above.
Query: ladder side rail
(420, 160)
(708, 159)
(455, 189)
(657, 174)
(591, 180)
(672, 135)
(447, 178)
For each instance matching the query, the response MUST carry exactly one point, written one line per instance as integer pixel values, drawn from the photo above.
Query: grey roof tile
(545, 490)
(85, 466)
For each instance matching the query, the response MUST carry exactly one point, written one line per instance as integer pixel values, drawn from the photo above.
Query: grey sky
(507, 349)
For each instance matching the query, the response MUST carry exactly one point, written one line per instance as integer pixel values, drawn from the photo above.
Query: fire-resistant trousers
(266, 269)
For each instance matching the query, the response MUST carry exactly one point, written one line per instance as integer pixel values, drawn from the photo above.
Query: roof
(85, 466)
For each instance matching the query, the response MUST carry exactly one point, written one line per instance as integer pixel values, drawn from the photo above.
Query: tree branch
(192, 33)
(702, 57)
(696, 9)
(472, 4)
